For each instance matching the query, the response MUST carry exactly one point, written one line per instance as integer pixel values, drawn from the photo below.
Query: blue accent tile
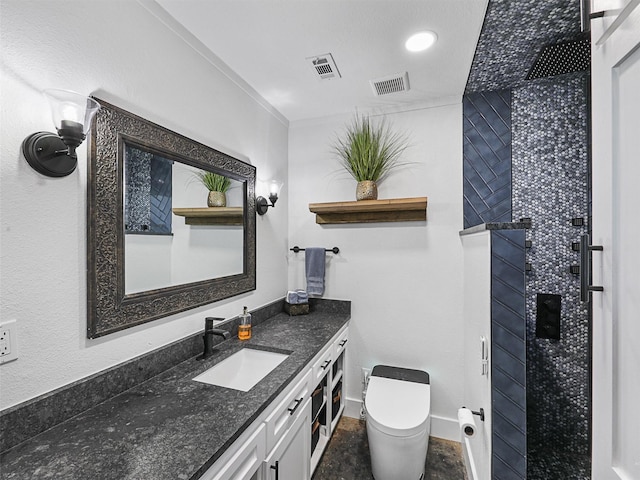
(487, 158)
(508, 354)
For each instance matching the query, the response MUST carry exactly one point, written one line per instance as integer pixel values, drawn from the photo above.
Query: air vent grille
(392, 84)
(324, 66)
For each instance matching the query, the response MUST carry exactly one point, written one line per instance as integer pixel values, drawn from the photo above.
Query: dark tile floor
(347, 456)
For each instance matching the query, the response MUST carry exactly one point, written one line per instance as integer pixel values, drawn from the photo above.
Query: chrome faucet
(209, 332)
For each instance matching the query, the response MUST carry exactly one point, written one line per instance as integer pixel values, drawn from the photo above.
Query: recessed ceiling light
(420, 41)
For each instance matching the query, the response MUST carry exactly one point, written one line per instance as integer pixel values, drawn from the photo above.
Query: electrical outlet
(8, 341)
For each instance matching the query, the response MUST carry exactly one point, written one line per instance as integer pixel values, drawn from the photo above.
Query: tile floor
(347, 456)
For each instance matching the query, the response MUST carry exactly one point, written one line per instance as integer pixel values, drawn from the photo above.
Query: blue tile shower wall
(508, 353)
(487, 157)
(550, 185)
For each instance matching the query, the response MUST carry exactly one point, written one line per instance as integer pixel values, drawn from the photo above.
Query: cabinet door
(244, 463)
(290, 459)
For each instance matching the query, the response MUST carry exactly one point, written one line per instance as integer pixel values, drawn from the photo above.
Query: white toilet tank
(398, 406)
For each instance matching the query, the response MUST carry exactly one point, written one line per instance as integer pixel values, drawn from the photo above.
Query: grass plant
(214, 182)
(370, 151)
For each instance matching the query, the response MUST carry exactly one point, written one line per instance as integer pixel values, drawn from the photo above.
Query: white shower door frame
(616, 226)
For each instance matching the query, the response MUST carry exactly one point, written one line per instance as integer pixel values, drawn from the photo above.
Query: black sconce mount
(55, 155)
(262, 205)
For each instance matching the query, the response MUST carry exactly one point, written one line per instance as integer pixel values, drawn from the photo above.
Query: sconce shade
(55, 155)
(71, 110)
(261, 203)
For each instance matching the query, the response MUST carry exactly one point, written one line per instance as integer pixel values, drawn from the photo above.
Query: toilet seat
(397, 407)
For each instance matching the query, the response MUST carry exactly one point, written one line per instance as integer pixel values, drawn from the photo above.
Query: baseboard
(352, 408)
(441, 427)
(446, 428)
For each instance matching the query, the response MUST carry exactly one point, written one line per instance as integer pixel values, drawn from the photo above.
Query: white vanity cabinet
(243, 463)
(290, 459)
(286, 441)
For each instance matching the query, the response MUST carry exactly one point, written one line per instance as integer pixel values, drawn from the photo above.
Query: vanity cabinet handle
(275, 467)
(343, 342)
(291, 410)
(325, 364)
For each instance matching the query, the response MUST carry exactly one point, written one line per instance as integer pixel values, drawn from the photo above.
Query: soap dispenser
(244, 329)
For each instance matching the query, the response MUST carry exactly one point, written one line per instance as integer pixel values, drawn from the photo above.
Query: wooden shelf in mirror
(211, 215)
(370, 211)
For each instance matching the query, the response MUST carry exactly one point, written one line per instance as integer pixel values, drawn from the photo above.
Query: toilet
(398, 410)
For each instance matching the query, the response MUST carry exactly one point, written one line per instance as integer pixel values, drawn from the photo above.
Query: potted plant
(217, 186)
(369, 152)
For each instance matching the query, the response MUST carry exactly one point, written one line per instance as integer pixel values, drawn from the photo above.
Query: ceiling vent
(324, 66)
(391, 84)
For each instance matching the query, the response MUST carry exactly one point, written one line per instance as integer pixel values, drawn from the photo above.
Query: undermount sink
(243, 369)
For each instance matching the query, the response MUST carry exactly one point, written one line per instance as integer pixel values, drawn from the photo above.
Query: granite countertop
(171, 427)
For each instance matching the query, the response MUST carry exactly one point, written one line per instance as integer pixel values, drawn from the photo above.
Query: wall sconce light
(261, 203)
(55, 155)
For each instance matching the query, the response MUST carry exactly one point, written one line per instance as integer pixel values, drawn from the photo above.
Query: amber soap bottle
(244, 329)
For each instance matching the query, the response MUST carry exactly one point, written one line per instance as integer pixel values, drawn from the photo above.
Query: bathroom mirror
(144, 261)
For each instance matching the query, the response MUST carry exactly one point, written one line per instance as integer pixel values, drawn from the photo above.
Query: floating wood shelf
(211, 215)
(369, 211)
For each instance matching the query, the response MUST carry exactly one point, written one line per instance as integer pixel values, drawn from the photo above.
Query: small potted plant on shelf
(369, 152)
(217, 186)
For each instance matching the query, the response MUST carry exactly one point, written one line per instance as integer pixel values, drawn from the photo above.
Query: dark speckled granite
(170, 427)
(27, 419)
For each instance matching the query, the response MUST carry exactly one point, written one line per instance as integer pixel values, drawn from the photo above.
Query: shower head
(566, 57)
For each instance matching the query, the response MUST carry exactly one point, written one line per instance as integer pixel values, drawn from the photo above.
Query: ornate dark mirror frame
(109, 308)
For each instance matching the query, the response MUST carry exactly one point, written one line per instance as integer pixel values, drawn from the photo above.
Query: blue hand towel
(314, 259)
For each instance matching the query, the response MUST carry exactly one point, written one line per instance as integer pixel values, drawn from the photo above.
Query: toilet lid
(397, 407)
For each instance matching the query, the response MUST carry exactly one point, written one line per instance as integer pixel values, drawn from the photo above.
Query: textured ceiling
(513, 34)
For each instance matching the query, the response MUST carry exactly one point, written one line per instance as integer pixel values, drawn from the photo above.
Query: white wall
(119, 51)
(404, 279)
(477, 313)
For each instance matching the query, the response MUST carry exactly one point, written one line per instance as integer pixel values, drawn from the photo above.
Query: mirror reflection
(182, 224)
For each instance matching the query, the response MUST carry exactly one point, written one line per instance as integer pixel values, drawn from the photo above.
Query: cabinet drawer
(245, 460)
(341, 343)
(322, 366)
(287, 411)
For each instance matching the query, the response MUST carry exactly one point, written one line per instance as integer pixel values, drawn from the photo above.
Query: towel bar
(297, 249)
